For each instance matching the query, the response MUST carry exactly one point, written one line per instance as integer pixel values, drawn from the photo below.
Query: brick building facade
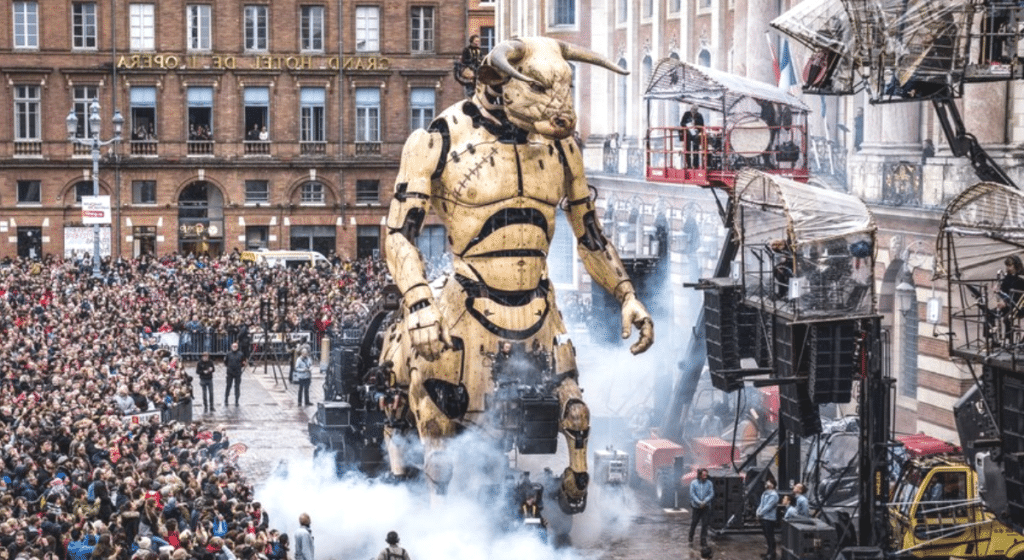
(246, 124)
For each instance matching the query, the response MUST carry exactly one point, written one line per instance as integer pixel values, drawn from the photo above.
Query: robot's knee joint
(579, 437)
(576, 414)
(439, 467)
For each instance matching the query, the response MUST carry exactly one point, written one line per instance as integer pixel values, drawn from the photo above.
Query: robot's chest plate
(482, 171)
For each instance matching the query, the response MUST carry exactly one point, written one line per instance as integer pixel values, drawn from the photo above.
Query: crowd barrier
(190, 345)
(178, 412)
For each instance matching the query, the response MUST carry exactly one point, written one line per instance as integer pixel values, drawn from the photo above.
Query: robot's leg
(435, 421)
(395, 369)
(396, 461)
(575, 424)
(437, 467)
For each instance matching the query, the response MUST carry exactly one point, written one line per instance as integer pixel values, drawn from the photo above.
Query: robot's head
(533, 78)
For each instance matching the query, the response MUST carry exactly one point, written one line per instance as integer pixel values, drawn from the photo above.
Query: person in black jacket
(1011, 292)
(245, 339)
(692, 131)
(469, 63)
(204, 370)
(235, 362)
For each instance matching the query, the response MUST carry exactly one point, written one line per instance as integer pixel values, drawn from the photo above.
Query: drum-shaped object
(750, 137)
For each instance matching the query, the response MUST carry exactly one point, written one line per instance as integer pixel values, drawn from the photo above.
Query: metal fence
(190, 345)
(177, 412)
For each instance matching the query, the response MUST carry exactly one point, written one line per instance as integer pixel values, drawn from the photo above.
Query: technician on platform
(702, 491)
(692, 125)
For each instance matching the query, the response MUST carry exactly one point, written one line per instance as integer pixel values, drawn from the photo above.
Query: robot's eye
(538, 88)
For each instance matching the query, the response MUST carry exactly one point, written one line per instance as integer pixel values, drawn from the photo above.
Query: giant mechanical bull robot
(494, 168)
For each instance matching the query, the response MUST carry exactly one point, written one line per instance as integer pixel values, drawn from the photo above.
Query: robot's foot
(409, 475)
(572, 498)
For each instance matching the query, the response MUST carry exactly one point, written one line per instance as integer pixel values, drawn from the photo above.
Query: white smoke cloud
(351, 515)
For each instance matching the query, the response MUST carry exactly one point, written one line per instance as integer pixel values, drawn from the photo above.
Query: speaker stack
(730, 328)
(832, 367)
(1011, 421)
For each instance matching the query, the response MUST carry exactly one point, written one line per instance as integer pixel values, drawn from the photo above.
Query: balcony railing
(143, 147)
(28, 147)
(200, 147)
(367, 148)
(313, 148)
(257, 147)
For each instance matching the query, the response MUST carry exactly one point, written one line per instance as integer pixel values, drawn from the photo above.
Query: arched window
(648, 69)
(636, 228)
(704, 58)
(905, 329)
(608, 219)
(312, 193)
(83, 188)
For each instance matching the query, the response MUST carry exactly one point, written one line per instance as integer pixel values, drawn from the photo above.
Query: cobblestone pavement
(273, 427)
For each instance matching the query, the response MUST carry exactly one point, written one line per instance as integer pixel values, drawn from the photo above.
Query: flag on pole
(775, 59)
(787, 76)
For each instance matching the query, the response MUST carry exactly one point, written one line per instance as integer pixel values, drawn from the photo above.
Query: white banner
(80, 240)
(96, 209)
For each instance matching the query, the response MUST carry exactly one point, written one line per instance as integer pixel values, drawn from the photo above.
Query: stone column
(1015, 135)
(984, 112)
(892, 127)
(719, 36)
(759, 60)
(739, 38)
(892, 133)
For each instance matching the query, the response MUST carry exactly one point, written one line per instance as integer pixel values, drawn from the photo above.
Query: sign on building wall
(79, 240)
(96, 209)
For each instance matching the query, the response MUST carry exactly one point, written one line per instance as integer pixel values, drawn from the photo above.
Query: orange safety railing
(719, 153)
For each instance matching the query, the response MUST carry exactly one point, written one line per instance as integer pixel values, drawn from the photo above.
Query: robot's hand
(635, 314)
(429, 336)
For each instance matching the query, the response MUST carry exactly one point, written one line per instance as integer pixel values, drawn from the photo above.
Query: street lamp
(94, 141)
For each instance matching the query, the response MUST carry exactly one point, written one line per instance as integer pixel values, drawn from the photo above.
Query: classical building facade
(875, 151)
(246, 123)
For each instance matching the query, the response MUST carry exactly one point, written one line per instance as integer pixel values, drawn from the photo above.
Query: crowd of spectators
(84, 477)
(576, 308)
(200, 132)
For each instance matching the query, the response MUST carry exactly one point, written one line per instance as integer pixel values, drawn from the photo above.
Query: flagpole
(775, 59)
(828, 136)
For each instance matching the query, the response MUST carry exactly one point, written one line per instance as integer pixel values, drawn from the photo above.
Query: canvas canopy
(901, 49)
(805, 250)
(980, 228)
(802, 213)
(825, 26)
(712, 89)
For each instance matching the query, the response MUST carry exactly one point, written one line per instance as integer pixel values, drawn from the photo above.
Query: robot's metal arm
(405, 218)
(963, 143)
(600, 257)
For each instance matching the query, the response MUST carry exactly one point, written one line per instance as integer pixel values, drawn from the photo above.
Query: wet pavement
(272, 426)
(268, 419)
